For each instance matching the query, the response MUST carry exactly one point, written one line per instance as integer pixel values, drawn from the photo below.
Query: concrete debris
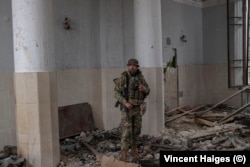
(106, 143)
(184, 132)
(8, 157)
(7, 151)
(61, 164)
(13, 161)
(181, 133)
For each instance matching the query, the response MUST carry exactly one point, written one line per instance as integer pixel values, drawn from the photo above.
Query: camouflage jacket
(135, 97)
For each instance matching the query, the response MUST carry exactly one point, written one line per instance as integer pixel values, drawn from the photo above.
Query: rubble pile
(205, 133)
(230, 136)
(74, 152)
(184, 133)
(8, 157)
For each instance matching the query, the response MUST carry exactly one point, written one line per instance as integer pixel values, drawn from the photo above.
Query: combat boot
(124, 155)
(134, 152)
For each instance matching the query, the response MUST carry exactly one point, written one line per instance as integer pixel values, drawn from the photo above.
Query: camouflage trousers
(131, 127)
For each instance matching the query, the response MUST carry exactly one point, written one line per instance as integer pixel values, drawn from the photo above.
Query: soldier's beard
(132, 72)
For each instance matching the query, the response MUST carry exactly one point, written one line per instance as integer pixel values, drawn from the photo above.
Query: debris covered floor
(184, 132)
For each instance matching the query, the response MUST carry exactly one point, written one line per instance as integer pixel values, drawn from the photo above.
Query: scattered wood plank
(224, 100)
(216, 131)
(175, 109)
(167, 147)
(213, 116)
(185, 113)
(226, 119)
(202, 121)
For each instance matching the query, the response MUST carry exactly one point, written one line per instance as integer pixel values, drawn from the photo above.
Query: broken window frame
(238, 43)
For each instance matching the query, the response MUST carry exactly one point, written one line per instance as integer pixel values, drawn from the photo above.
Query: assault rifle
(124, 94)
(117, 103)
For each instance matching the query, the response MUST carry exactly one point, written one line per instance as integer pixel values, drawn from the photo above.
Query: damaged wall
(94, 52)
(77, 52)
(91, 54)
(177, 22)
(215, 55)
(101, 40)
(201, 56)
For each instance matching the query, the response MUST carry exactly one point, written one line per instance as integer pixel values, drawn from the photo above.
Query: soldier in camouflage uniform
(131, 106)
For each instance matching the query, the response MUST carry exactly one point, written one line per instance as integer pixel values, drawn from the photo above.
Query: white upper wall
(215, 34)
(102, 36)
(111, 33)
(179, 20)
(148, 43)
(6, 45)
(78, 47)
(205, 31)
(101, 33)
(33, 39)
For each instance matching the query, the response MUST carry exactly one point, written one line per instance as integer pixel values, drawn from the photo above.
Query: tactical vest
(135, 96)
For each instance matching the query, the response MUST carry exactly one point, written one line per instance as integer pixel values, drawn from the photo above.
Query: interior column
(148, 33)
(148, 50)
(35, 82)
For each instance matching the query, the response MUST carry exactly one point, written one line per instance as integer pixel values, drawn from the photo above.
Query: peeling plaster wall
(202, 59)
(177, 20)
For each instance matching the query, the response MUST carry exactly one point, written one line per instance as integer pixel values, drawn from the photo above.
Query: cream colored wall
(111, 115)
(7, 110)
(170, 88)
(89, 85)
(153, 120)
(205, 84)
(37, 117)
(201, 84)
(81, 85)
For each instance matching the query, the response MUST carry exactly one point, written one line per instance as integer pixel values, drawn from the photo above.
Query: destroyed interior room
(65, 99)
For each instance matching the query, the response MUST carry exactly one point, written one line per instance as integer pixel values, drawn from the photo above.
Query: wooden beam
(226, 119)
(224, 100)
(185, 113)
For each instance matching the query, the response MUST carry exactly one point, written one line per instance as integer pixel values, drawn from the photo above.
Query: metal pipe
(245, 41)
(228, 46)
